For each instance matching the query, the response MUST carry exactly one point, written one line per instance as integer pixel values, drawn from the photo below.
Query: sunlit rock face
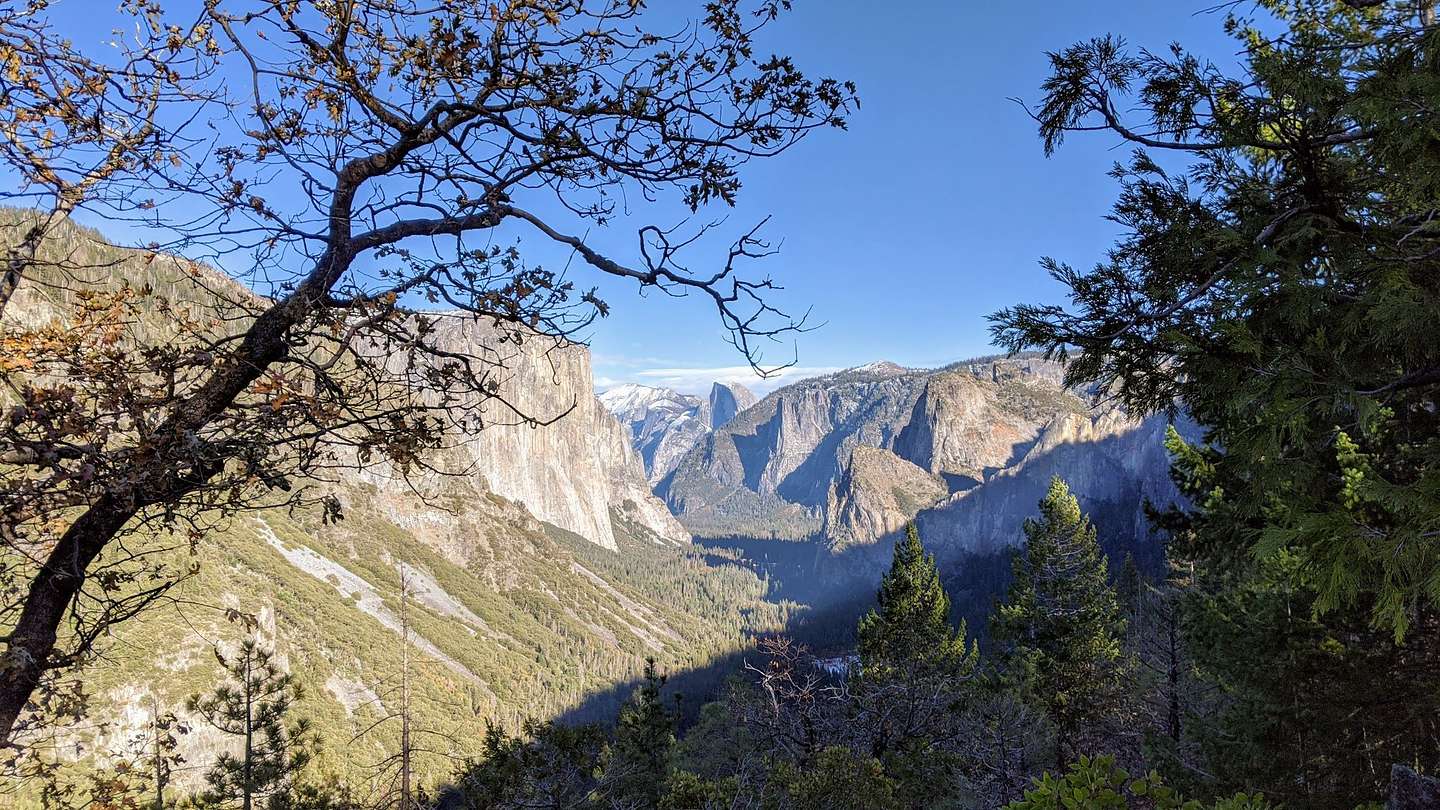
(965, 451)
(577, 467)
(665, 424)
(877, 494)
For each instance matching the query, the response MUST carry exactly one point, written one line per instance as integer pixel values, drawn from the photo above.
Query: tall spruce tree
(637, 764)
(1062, 626)
(254, 706)
(909, 629)
(914, 678)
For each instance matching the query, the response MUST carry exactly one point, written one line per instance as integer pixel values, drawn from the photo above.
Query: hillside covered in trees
(268, 535)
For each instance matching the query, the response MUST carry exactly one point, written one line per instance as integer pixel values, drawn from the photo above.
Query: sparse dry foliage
(794, 709)
(360, 158)
(81, 129)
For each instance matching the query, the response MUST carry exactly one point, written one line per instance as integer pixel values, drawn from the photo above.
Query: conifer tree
(1276, 274)
(914, 677)
(1276, 277)
(1062, 623)
(1310, 706)
(910, 629)
(253, 706)
(547, 765)
(637, 763)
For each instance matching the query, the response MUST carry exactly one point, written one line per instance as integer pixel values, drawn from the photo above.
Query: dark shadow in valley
(833, 588)
(956, 482)
(754, 448)
(837, 586)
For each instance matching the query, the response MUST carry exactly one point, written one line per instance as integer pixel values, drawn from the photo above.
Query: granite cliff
(965, 451)
(665, 424)
(574, 472)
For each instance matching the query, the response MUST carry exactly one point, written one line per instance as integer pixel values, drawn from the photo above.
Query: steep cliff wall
(878, 493)
(769, 472)
(966, 451)
(573, 472)
(726, 401)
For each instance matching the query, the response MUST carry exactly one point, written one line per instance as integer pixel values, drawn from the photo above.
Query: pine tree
(909, 630)
(914, 677)
(637, 763)
(254, 706)
(1062, 623)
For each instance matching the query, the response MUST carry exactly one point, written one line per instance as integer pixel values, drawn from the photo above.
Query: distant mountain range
(665, 424)
(965, 451)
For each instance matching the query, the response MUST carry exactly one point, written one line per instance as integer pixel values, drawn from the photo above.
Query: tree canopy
(1276, 280)
(357, 159)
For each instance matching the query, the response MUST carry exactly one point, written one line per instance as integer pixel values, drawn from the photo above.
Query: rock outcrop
(966, 451)
(726, 401)
(878, 493)
(665, 424)
(573, 472)
(1412, 791)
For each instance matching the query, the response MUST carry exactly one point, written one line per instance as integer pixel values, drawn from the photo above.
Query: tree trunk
(249, 768)
(1172, 676)
(156, 479)
(160, 775)
(32, 642)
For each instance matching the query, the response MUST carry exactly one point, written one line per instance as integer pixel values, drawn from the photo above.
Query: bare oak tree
(367, 155)
(78, 127)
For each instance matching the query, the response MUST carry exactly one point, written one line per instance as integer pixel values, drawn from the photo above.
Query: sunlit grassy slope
(510, 616)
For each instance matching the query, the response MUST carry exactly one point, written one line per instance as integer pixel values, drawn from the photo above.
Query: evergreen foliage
(638, 761)
(1061, 623)
(915, 673)
(1312, 704)
(909, 630)
(254, 707)
(547, 765)
(1281, 285)
(840, 779)
(1100, 784)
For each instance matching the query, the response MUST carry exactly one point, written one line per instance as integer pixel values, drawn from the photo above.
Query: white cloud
(698, 380)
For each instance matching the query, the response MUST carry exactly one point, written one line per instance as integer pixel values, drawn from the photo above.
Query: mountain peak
(727, 400)
(881, 367)
(634, 397)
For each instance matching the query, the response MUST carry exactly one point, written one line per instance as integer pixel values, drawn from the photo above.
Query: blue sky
(932, 211)
(902, 234)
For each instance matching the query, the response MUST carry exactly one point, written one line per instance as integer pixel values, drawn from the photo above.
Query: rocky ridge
(965, 451)
(665, 424)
